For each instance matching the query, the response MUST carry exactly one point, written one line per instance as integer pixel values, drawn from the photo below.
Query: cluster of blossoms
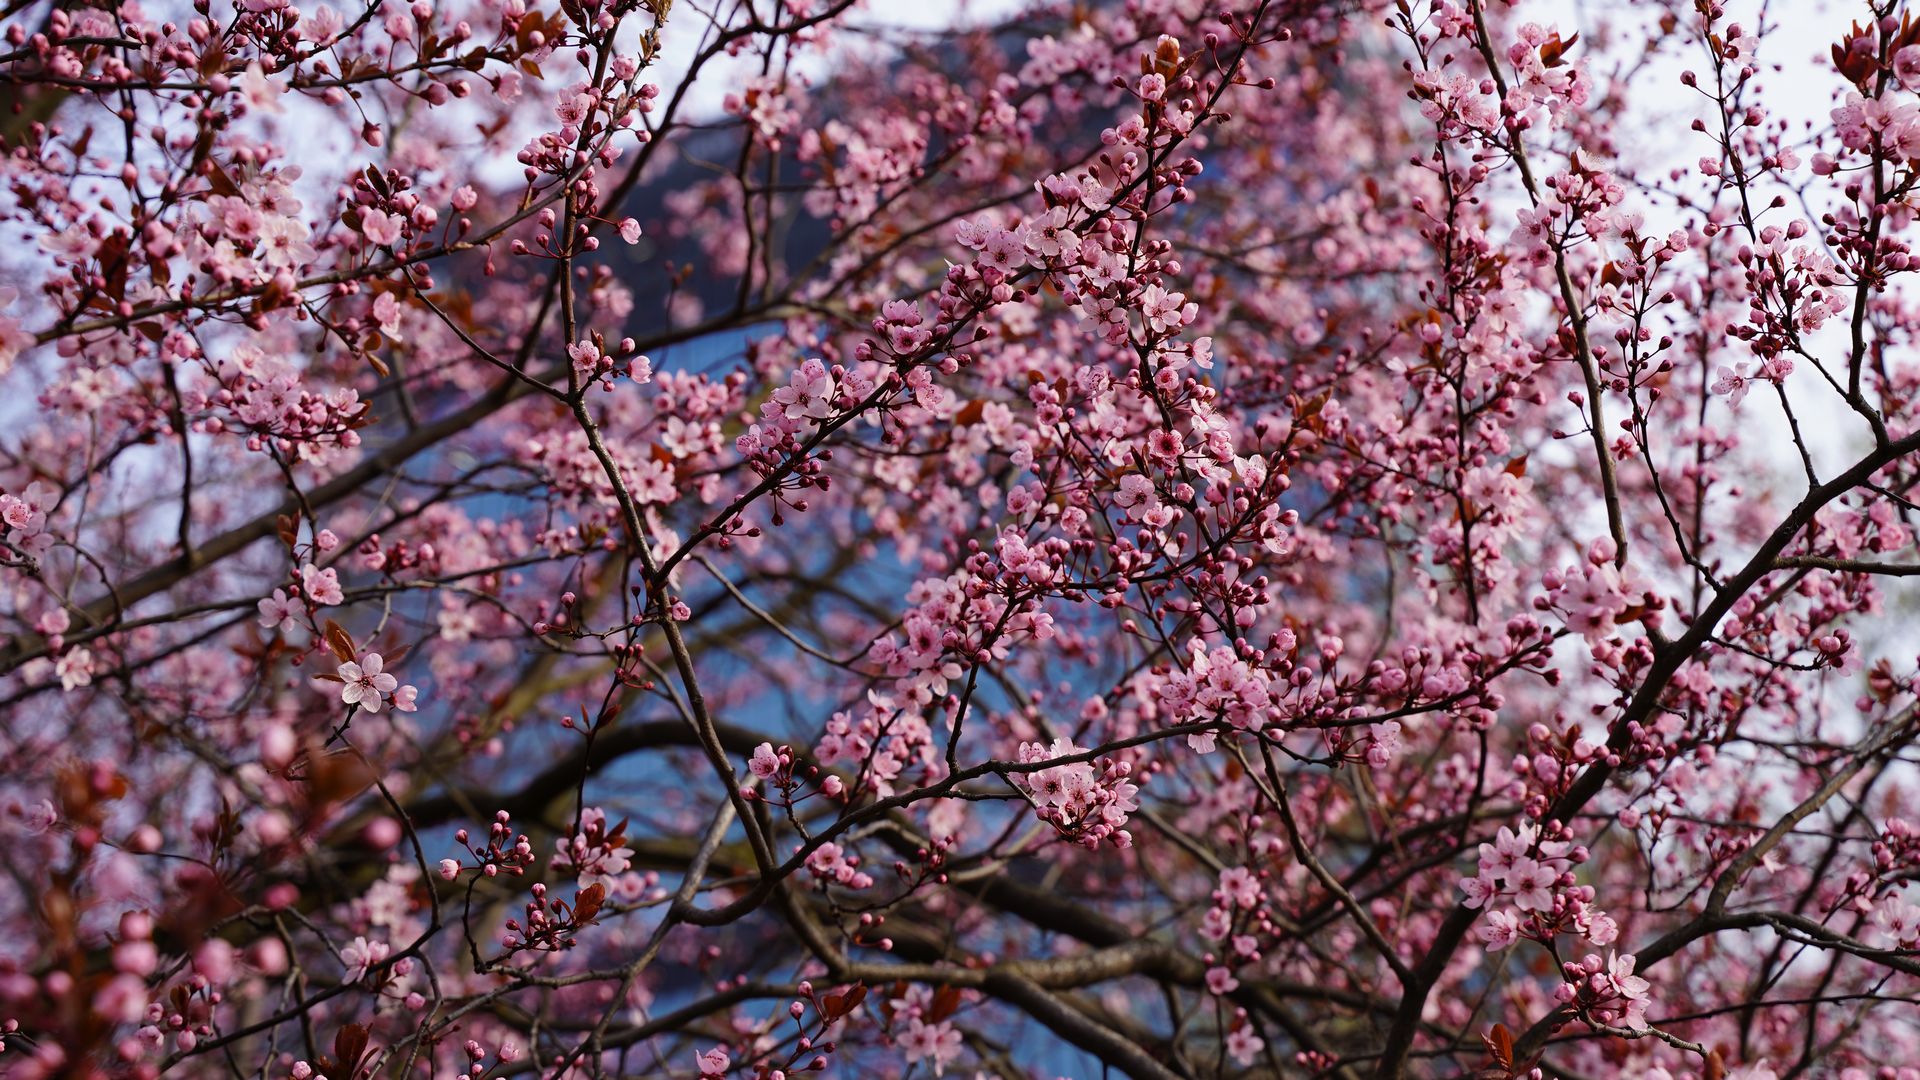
(1593, 598)
(261, 396)
(985, 442)
(1237, 919)
(831, 864)
(881, 743)
(25, 516)
(924, 1030)
(1084, 803)
(1217, 684)
(598, 855)
(812, 394)
(1533, 875)
(1607, 990)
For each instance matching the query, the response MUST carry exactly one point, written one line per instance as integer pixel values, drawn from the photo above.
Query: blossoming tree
(1153, 538)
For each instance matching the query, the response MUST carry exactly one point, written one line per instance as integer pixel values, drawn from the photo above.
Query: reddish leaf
(854, 997)
(349, 1046)
(339, 641)
(1499, 1042)
(945, 1001)
(836, 1005)
(586, 904)
(1553, 52)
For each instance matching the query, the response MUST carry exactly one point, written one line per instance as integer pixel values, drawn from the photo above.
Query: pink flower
(365, 682)
(1134, 490)
(1631, 987)
(1220, 981)
(362, 956)
(653, 483)
(1239, 886)
(1906, 67)
(831, 863)
(1385, 745)
(1508, 848)
(1732, 383)
(1503, 929)
(808, 396)
(1532, 885)
(765, 763)
(1244, 1046)
(585, 356)
(261, 93)
(1899, 920)
(1479, 889)
(380, 227)
(630, 230)
(75, 668)
(17, 513)
(713, 1063)
(321, 586)
(278, 611)
(937, 1042)
(1217, 923)
(1002, 251)
(1597, 926)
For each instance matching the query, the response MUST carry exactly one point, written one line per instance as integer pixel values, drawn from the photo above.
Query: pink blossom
(939, 1043)
(1244, 1046)
(808, 396)
(260, 92)
(1240, 887)
(278, 612)
(1503, 929)
(1479, 889)
(75, 669)
(361, 956)
(713, 1063)
(322, 587)
(364, 684)
(585, 356)
(1732, 384)
(1221, 982)
(1532, 885)
(380, 227)
(765, 763)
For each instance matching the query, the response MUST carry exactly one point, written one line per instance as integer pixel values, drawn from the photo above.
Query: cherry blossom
(1131, 537)
(364, 684)
(361, 956)
(938, 1044)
